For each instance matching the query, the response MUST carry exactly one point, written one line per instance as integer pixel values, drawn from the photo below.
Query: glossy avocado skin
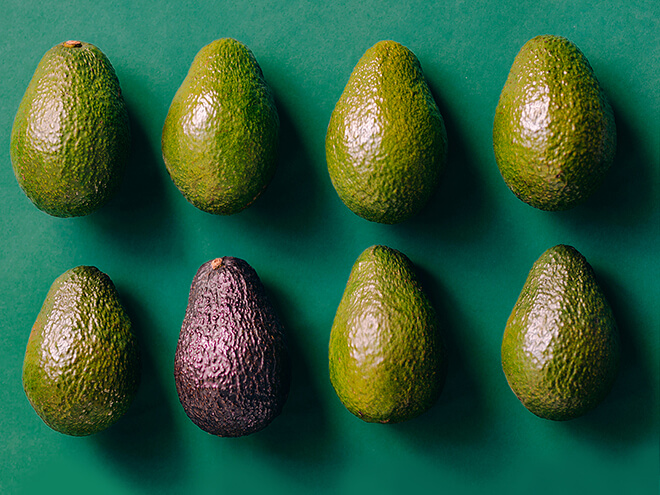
(386, 142)
(231, 367)
(82, 364)
(70, 140)
(220, 136)
(387, 357)
(560, 351)
(554, 133)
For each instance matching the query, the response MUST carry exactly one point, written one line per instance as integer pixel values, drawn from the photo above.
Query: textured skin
(220, 136)
(231, 367)
(386, 142)
(71, 139)
(560, 350)
(554, 134)
(387, 358)
(82, 366)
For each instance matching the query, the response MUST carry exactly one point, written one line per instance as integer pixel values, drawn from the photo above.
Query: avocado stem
(216, 263)
(72, 44)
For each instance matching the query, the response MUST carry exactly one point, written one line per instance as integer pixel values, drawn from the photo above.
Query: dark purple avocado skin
(231, 367)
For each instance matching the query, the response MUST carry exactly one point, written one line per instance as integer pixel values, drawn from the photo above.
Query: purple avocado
(231, 367)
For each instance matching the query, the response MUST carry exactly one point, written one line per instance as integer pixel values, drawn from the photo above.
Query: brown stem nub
(72, 44)
(216, 263)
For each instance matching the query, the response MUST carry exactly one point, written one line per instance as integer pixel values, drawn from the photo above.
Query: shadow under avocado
(629, 413)
(301, 435)
(144, 443)
(291, 201)
(625, 198)
(459, 206)
(458, 424)
(139, 213)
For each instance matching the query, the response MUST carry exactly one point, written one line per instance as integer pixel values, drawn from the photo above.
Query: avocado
(70, 139)
(220, 136)
(231, 367)
(554, 134)
(386, 142)
(387, 357)
(560, 351)
(82, 364)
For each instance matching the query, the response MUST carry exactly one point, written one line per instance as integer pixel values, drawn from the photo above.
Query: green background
(473, 244)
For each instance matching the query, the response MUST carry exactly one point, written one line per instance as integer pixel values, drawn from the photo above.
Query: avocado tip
(216, 263)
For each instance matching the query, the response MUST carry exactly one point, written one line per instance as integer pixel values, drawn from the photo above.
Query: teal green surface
(473, 244)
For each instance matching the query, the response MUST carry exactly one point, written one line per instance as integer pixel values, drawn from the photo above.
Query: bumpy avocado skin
(220, 136)
(231, 367)
(82, 364)
(386, 142)
(387, 357)
(70, 140)
(560, 351)
(554, 133)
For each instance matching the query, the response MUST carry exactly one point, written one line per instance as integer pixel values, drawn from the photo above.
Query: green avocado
(554, 134)
(231, 367)
(560, 351)
(82, 365)
(386, 142)
(220, 136)
(387, 357)
(70, 139)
